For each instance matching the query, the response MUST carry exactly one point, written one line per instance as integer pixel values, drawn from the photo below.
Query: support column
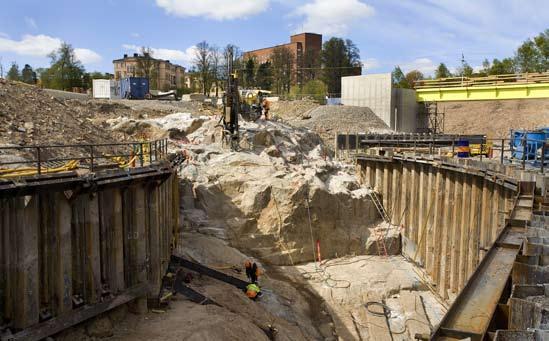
(395, 194)
(155, 244)
(386, 186)
(486, 217)
(429, 227)
(413, 208)
(422, 214)
(405, 198)
(92, 246)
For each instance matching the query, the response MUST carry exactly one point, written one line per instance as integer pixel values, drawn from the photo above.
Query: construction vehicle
(252, 103)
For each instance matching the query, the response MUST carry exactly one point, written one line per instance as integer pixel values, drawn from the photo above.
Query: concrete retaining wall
(396, 107)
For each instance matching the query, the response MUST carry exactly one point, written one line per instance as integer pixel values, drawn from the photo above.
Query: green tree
(282, 64)
(311, 66)
(399, 80)
(315, 89)
(505, 66)
(264, 76)
(542, 44)
(412, 77)
(13, 72)
(528, 58)
(339, 58)
(442, 71)
(249, 74)
(28, 75)
(65, 71)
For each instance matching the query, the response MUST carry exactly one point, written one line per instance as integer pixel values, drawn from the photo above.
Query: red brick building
(304, 45)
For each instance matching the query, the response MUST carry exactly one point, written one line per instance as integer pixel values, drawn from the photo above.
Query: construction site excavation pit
(383, 247)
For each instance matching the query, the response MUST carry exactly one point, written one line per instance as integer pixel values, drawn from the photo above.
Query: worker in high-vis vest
(253, 291)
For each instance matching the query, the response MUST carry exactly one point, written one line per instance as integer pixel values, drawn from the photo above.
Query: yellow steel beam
(494, 92)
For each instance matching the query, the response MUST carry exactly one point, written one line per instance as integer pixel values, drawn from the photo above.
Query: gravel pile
(326, 120)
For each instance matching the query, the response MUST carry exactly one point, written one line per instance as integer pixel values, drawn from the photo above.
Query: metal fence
(41, 159)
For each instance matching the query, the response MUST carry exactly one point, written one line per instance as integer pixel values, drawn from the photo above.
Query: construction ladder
(380, 241)
(379, 206)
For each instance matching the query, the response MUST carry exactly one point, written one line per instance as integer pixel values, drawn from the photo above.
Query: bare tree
(217, 72)
(203, 64)
(147, 67)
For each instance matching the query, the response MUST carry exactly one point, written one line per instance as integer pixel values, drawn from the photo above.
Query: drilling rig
(231, 105)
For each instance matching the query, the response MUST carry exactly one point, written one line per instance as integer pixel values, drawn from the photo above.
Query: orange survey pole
(318, 251)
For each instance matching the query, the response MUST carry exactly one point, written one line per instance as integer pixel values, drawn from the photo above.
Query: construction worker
(252, 271)
(253, 291)
(266, 105)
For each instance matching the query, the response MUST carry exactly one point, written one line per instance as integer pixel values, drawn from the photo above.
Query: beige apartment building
(165, 75)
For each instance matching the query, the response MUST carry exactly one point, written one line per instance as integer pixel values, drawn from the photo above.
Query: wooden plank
(464, 230)
(63, 252)
(60, 323)
(155, 266)
(431, 257)
(27, 290)
(139, 261)
(395, 195)
(456, 232)
(485, 218)
(474, 224)
(412, 224)
(386, 186)
(422, 210)
(445, 255)
(5, 265)
(116, 228)
(405, 198)
(438, 224)
(93, 249)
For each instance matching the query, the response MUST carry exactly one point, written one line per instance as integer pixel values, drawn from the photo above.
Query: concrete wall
(406, 117)
(376, 92)
(372, 91)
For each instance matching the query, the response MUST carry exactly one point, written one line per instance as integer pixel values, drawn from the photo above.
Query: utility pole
(462, 67)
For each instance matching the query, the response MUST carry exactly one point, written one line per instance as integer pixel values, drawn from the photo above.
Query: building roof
(131, 58)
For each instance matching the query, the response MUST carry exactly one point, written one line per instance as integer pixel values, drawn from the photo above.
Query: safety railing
(524, 152)
(43, 159)
(494, 80)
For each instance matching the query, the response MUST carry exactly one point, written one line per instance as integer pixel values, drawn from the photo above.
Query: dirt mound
(494, 118)
(292, 110)
(31, 116)
(327, 120)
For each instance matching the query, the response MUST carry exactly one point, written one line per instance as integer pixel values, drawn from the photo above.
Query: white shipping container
(101, 88)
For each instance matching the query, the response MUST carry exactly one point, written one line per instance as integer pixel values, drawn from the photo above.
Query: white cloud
(184, 57)
(425, 65)
(87, 56)
(332, 17)
(37, 46)
(31, 22)
(41, 45)
(213, 9)
(370, 64)
(135, 35)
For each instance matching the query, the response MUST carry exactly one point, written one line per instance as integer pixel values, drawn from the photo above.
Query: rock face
(277, 197)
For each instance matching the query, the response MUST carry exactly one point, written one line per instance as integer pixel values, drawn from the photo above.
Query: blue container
(134, 87)
(527, 150)
(463, 149)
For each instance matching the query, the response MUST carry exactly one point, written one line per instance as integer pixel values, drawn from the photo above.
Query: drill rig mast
(231, 107)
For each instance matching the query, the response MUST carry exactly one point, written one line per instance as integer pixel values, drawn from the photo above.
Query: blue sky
(415, 34)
